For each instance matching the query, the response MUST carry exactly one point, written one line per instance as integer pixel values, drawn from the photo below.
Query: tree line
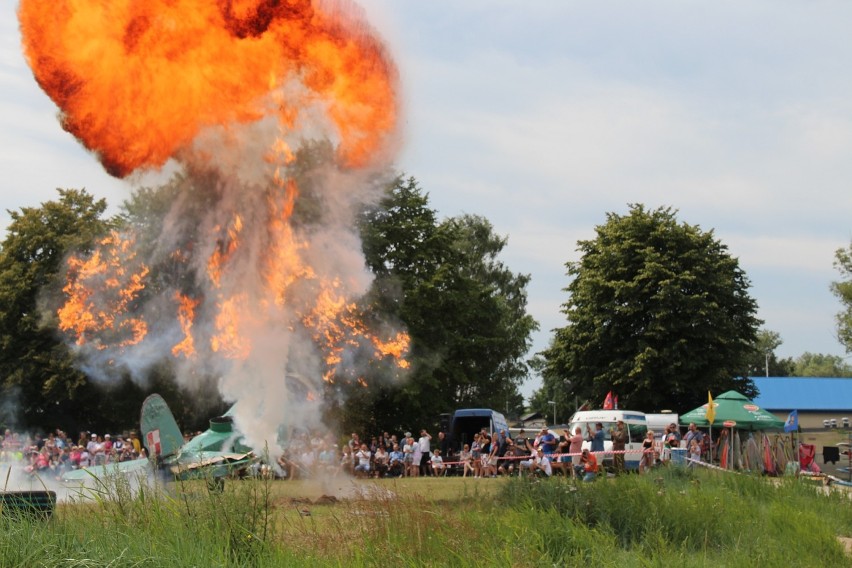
(657, 311)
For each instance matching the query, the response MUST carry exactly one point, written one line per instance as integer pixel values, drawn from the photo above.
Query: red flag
(607, 405)
(615, 401)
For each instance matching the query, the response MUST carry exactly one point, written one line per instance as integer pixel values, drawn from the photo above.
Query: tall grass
(662, 519)
(692, 518)
(110, 525)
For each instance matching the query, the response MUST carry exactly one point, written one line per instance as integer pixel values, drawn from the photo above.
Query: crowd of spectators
(486, 456)
(57, 453)
(310, 454)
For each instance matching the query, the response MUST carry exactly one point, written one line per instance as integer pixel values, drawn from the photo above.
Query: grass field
(669, 517)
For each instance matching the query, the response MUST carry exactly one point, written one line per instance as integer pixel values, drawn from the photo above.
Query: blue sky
(544, 116)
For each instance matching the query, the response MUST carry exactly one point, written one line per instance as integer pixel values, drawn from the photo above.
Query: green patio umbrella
(733, 410)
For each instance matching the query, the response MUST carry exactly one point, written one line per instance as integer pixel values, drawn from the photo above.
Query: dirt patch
(847, 544)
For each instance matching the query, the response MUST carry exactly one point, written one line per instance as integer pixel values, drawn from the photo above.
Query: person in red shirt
(590, 465)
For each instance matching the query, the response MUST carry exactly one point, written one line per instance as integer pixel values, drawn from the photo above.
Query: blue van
(469, 421)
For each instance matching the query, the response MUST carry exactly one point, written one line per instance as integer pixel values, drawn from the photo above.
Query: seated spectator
(438, 467)
(347, 465)
(286, 467)
(74, 457)
(362, 469)
(588, 465)
(396, 462)
(380, 461)
(326, 460)
(507, 464)
(541, 464)
(466, 459)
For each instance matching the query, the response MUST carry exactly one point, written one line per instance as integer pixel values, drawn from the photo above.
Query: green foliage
(819, 365)
(464, 310)
(658, 312)
(35, 366)
(763, 352)
(843, 290)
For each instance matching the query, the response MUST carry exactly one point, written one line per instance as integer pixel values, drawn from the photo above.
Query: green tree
(843, 290)
(819, 365)
(658, 313)
(465, 311)
(34, 363)
(763, 356)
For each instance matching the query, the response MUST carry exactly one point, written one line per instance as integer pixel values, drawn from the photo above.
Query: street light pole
(767, 363)
(553, 402)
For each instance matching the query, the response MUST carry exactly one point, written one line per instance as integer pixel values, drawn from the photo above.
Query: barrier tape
(555, 455)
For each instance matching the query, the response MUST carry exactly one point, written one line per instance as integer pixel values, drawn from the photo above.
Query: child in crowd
(694, 452)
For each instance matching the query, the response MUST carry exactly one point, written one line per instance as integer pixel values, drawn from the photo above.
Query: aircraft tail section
(160, 432)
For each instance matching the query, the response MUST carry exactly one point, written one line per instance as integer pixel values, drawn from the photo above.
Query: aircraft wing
(209, 464)
(100, 471)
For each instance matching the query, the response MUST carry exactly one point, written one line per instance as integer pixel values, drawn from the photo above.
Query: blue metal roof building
(809, 394)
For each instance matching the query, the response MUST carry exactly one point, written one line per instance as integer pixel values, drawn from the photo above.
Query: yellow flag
(711, 409)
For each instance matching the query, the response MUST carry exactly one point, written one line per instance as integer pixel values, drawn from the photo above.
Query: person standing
(444, 445)
(694, 452)
(648, 452)
(693, 433)
(476, 454)
(619, 444)
(597, 438)
(547, 442)
(425, 443)
(416, 457)
(575, 449)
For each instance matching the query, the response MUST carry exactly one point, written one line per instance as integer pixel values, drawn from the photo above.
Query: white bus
(634, 422)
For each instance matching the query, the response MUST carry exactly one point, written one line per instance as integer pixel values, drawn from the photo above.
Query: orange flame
(229, 341)
(137, 81)
(186, 315)
(224, 251)
(106, 272)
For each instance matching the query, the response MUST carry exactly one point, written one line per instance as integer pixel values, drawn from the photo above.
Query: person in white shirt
(425, 443)
(541, 463)
(438, 467)
(363, 457)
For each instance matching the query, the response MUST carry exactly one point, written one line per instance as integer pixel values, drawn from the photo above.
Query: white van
(634, 421)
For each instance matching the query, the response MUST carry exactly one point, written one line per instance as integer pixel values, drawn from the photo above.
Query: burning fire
(234, 278)
(107, 273)
(138, 81)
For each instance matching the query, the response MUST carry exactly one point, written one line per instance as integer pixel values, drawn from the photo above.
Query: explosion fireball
(229, 281)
